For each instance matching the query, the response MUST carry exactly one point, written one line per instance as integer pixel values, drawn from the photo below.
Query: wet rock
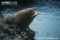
(13, 32)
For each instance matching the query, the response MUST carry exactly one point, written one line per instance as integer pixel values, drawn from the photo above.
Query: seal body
(22, 18)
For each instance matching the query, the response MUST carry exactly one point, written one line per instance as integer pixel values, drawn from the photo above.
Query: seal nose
(35, 14)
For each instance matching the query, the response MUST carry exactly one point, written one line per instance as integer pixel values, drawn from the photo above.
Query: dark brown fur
(23, 18)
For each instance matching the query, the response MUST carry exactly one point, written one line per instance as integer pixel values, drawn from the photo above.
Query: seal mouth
(35, 14)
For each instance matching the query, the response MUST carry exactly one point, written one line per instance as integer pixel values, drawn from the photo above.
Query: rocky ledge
(13, 32)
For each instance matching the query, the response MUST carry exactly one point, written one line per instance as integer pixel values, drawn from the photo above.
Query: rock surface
(13, 32)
